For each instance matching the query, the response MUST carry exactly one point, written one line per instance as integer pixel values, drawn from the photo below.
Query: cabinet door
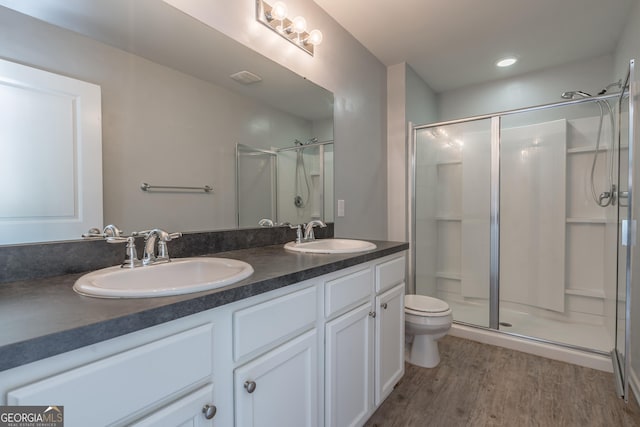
(186, 412)
(349, 368)
(389, 354)
(281, 387)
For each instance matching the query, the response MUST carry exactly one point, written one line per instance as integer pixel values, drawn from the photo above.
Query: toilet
(426, 320)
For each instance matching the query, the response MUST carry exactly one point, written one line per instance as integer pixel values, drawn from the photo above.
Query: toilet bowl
(426, 321)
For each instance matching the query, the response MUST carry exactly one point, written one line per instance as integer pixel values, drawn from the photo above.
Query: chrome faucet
(308, 229)
(108, 231)
(162, 237)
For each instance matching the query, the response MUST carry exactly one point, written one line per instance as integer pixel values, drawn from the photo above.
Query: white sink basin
(331, 246)
(180, 276)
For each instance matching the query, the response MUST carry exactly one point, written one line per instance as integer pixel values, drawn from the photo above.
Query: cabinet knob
(372, 314)
(384, 305)
(209, 411)
(250, 386)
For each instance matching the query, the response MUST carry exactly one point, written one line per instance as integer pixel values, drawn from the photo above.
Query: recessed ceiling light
(506, 62)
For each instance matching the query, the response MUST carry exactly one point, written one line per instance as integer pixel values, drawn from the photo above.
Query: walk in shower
(518, 220)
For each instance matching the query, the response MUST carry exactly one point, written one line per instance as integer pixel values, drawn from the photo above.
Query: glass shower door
(256, 194)
(626, 227)
(452, 190)
(557, 244)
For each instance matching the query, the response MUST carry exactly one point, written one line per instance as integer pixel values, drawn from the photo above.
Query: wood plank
(482, 385)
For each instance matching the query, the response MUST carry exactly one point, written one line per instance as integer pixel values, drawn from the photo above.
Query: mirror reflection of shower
(607, 197)
(302, 189)
(282, 185)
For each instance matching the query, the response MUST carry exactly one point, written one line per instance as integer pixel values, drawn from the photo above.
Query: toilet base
(424, 352)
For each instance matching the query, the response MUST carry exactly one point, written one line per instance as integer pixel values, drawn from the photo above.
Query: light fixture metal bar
(263, 9)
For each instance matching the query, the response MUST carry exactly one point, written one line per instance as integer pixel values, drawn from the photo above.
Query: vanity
(307, 340)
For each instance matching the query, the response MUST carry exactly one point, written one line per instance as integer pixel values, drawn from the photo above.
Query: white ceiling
(454, 43)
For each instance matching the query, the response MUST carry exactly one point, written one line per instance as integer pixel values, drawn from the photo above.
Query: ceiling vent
(246, 77)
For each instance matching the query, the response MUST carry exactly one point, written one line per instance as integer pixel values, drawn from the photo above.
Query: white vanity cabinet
(280, 388)
(278, 385)
(189, 411)
(326, 351)
(142, 381)
(364, 340)
(389, 343)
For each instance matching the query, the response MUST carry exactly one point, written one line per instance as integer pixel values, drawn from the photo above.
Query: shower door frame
(622, 369)
(247, 149)
(494, 280)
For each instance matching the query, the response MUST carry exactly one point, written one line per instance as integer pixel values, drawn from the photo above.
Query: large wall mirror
(171, 113)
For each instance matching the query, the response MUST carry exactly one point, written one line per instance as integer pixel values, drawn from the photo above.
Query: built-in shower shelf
(448, 275)
(448, 218)
(591, 293)
(592, 220)
(449, 162)
(591, 149)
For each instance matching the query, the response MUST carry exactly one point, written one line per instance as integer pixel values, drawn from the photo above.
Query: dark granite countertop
(43, 317)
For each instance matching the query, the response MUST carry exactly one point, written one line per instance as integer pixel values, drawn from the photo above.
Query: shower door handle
(625, 232)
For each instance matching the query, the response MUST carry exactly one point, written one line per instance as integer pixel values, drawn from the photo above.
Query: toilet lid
(425, 304)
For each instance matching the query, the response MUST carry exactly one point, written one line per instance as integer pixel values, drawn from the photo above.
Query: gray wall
(536, 88)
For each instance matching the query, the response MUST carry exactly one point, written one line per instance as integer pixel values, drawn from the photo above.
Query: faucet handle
(298, 229)
(112, 231)
(131, 256)
(163, 253)
(93, 233)
(108, 231)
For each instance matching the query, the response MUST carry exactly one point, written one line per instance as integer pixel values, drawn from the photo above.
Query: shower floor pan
(588, 336)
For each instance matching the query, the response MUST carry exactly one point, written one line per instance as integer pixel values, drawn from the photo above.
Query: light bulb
(299, 24)
(315, 37)
(279, 11)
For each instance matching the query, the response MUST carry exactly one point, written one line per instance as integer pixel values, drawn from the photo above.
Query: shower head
(572, 94)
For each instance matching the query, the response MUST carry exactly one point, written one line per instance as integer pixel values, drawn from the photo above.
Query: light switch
(340, 207)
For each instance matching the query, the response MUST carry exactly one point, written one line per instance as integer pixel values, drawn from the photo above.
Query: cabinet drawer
(110, 390)
(390, 273)
(347, 291)
(270, 322)
(183, 412)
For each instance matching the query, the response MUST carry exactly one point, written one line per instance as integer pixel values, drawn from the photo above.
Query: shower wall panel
(532, 214)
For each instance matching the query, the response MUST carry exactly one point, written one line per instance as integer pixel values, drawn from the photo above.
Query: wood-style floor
(482, 385)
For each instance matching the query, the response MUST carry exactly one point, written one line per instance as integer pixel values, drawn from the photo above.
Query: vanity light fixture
(506, 62)
(295, 30)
